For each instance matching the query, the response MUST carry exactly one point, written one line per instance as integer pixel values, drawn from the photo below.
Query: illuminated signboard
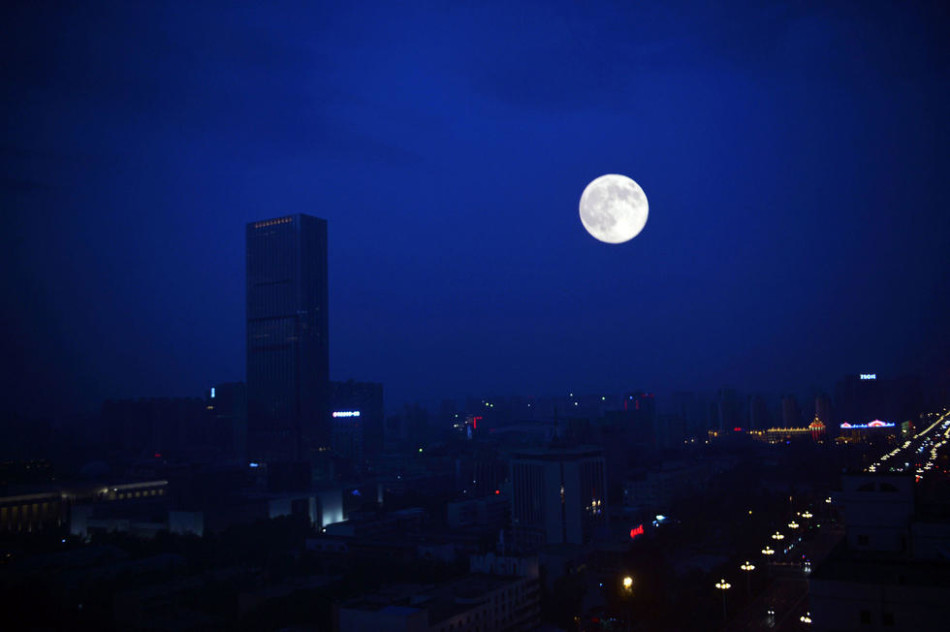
(346, 413)
(636, 531)
(877, 423)
(869, 376)
(212, 392)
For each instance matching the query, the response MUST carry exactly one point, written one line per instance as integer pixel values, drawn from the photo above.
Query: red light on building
(475, 422)
(737, 429)
(636, 531)
(497, 491)
(158, 455)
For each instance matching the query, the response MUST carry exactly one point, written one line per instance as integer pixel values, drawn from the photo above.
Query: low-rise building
(473, 603)
(892, 571)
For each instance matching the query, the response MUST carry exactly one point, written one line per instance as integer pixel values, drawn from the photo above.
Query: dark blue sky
(794, 155)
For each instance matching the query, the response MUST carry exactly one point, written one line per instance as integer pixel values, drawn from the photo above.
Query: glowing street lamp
(768, 552)
(807, 515)
(748, 567)
(723, 585)
(627, 585)
(778, 537)
(792, 525)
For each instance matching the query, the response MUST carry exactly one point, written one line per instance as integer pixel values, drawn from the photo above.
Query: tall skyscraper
(287, 338)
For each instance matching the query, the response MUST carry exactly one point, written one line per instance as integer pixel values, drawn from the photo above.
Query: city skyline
(793, 158)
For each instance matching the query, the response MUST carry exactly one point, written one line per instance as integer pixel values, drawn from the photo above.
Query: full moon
(614, 209)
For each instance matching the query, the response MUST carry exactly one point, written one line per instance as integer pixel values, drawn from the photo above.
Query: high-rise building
(356, 425)
(860, 398)
(640, 409)
(791, 412)
(559, 495)
(287, 338)
(759, 417)
(727, 410)
(691, 408)
(823, 408)
(227, 405)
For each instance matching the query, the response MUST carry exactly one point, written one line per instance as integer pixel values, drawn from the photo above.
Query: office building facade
(287, 338)
(357, 417)
(559, 495)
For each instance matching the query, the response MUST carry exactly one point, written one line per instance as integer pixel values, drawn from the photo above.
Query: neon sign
(346, 413)
(636, 531)
(877, 423)
(868, 376)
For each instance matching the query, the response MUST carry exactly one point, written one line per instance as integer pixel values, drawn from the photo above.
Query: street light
(627, 583)
(768, 552)
(778, 536)
(748, 567)
(792, 525)
(807, 515)
(723, 585)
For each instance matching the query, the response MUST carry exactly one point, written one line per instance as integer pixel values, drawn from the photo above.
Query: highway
(919, 453)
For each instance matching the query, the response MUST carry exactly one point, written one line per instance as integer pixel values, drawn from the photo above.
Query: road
(919, 453)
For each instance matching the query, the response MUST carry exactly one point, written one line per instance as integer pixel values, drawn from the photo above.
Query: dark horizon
(794, 159)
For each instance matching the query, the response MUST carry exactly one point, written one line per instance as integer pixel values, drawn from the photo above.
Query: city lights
(747, 568)
(166, 170)
(723, 586)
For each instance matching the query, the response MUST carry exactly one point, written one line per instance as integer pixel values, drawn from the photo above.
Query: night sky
(795, 156)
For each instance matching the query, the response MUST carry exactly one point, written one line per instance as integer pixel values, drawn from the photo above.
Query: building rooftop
(557, 453)
(442, 601)
(881, 568)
